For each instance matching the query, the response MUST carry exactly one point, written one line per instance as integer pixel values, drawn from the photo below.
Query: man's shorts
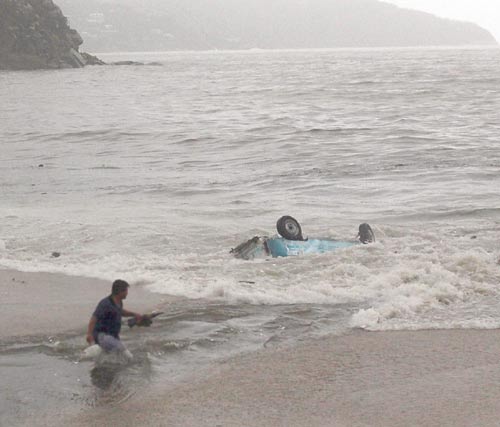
(109, 343)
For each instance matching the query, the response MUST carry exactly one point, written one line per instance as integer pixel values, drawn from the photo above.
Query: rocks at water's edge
(34, 34)
(158, 64)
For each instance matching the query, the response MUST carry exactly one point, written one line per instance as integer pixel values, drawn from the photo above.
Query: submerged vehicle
(290, 242)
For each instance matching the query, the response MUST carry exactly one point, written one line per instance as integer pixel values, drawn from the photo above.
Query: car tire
(366, 234)
(289, 228)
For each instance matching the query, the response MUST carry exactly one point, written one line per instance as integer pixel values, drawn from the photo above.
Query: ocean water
(153, 173)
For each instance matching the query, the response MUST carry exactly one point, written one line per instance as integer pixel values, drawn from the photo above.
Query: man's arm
(126, 313)
(90, 329)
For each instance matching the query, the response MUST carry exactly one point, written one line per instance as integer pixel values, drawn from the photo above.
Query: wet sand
(41, 379)
(424, 378)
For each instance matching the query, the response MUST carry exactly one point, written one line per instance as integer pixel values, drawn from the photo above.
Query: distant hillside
(125, 25)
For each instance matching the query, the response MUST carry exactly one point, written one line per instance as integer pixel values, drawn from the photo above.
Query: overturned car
(291, 242)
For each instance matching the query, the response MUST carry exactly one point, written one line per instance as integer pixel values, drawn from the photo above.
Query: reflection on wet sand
(103, 377)
(114, 382)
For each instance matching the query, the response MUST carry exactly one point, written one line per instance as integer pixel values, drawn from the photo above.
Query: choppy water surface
(153, 173)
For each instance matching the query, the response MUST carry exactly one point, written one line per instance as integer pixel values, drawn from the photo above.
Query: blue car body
(280, 247)
(261, 247)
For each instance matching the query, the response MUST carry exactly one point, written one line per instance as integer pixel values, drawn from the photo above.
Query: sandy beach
(427, 378)
(422, 378)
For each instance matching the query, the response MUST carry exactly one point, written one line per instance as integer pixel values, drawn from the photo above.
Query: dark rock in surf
(136, 63)
(126, 63)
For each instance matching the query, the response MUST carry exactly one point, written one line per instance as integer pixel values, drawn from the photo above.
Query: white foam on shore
(406, 280)
(448, 289)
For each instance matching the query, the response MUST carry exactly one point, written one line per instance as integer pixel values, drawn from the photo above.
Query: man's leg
(109, 343)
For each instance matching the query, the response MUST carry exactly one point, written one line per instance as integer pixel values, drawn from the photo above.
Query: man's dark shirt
(109, 318)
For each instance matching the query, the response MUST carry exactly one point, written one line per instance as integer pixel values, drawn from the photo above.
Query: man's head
(120, 289)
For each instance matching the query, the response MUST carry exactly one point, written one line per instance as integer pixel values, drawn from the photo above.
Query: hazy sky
(483, 12)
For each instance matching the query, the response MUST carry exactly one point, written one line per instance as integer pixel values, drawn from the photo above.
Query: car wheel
(289, 228)
(366, 234)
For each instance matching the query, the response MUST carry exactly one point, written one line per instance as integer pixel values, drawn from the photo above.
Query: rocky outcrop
(34, 34)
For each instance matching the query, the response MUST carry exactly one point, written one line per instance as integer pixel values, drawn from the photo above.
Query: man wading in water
(106, 322)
